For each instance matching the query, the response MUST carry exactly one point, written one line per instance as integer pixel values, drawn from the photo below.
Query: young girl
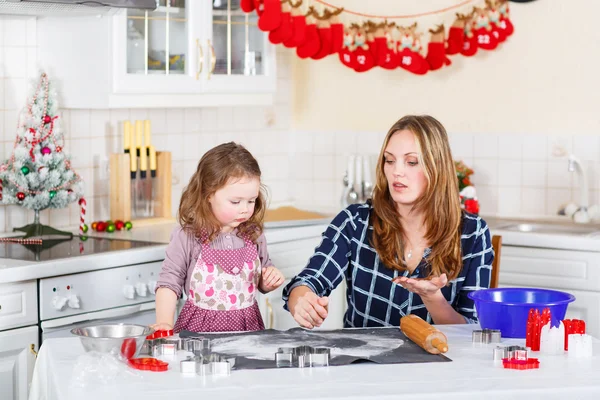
(219, 254)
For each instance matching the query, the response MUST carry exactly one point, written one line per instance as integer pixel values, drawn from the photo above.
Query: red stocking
(385, 56)
(325, 38)
(455, 40)
(469, 46)
(410, 61)
(364, 60)
(247, 5)
(284, 32)
(486, 39)
(498, 33)
(436, 55)
(347, 57)
(507, 26)
(311, 44)
(299, 27)
(337, 37)
(270, 17)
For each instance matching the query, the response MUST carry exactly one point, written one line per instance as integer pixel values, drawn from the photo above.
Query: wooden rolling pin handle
(438, 344)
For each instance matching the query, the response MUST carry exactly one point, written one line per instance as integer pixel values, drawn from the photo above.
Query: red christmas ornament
(101, 226)
(21, 196)
(119, 224)
(31, 130)
(47, 119)
(58, 149)
(46, 150)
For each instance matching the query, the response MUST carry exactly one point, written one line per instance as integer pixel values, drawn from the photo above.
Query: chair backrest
(497, 245)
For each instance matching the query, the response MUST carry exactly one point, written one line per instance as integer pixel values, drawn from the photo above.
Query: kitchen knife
(133, 171)
(144, 188)
(126, 136)
(147, 141)
(153, 181)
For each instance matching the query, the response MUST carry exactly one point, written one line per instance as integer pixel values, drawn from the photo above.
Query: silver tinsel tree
(38, 174)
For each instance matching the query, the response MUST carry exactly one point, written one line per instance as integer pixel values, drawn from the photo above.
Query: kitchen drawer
(559, 269)
(18, 304)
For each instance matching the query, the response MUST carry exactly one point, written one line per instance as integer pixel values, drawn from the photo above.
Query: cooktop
(60, 248)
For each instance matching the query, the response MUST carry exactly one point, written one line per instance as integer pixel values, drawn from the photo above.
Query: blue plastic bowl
(507, 309)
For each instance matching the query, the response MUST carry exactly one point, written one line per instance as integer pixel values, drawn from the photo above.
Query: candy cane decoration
(82, 204)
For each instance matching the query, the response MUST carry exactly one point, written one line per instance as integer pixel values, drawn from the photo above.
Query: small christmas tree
(38, 174)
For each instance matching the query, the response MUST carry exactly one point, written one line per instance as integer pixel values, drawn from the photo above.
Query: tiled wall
(515, 175)
(91, 135)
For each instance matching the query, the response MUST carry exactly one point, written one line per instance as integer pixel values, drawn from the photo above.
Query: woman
(411, 250)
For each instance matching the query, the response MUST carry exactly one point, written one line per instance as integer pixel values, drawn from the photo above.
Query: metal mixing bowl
(125, 340)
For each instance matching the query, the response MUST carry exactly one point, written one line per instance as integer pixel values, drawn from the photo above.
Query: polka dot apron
(222, 291)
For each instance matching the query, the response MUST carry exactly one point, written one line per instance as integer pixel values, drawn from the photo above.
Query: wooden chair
(497, 245)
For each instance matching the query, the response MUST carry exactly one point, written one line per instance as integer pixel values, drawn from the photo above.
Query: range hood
(65, 8)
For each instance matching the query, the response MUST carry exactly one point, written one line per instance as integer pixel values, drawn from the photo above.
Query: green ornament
(85, 228)
(25, 170)
(83, 238)
(110, 228)
(128, 225)
(52, 194)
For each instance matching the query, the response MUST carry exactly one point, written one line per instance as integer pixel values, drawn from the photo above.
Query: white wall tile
(558, 174)
(344, 143)
(15, 31)
(485, 146)
(15, 62)
(510, 147)
(1, 95)
(323, 143)
(369, 142)
(533, 201)
(323, 193)
(586, 147)
(1, 45)
(302, 166)
(225, 118)
(32, 63)
(303, 142)
(15, 93)
(488, 199)
(509, 201)
(534, 173)
(555, 199)
(534, 147)
(559, 146)
(191, 149)
(100, 125)
(510, 172)
(31, 28)
(462, 145)
(80, 124)
(174, 121)
(324, 167)
(209, 119)
(486, 172)
(191, 120)
(173, 143)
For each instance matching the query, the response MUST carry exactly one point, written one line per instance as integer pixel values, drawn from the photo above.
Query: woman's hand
(161, 326)
(423, 287)
(308, 309)
(271, 279)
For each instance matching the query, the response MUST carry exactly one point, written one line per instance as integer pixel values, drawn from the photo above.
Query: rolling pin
(423, 334)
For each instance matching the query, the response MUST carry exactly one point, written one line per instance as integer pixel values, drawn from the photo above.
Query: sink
(552, 228)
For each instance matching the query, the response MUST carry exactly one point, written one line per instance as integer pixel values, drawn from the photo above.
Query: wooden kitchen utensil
(423, 334)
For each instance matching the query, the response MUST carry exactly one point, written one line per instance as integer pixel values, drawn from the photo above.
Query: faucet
(581, 215)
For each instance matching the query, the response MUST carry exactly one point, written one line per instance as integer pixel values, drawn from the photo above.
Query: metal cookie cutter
(215, 364)
(486, 336)
(511, 352)
(198, 346)
(302, 356)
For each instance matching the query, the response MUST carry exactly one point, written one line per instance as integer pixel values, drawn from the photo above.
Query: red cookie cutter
(514, 363)
(160, 334)
(148, 364)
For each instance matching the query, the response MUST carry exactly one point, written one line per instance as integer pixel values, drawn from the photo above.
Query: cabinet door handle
(32, 349)
(270, 311)
(213, 59)
(200, 59)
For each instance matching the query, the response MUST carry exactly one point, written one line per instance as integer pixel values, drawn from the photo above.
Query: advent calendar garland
(366, 41)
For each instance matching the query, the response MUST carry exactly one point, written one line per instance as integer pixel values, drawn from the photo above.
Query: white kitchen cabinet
(290, 258)
(17, 359)
(183, 54)
(574, 272)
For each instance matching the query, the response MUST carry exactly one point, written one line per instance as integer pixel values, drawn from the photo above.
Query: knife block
(120, 188)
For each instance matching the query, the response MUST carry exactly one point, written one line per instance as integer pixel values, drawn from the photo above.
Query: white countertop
(470, 375)
(19, 270)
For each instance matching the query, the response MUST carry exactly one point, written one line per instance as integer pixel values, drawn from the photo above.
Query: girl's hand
(423, 287)
(161, 326)
(271, 279)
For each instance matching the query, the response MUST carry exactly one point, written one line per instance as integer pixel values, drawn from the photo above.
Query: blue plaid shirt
(373, 300)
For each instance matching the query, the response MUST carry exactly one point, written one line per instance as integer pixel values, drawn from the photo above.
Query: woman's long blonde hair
(440, 202)
(216, 168)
